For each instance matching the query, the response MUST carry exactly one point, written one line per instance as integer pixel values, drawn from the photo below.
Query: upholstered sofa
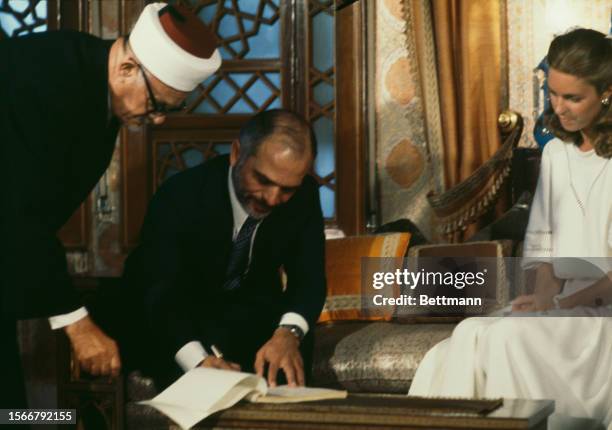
(382, 356)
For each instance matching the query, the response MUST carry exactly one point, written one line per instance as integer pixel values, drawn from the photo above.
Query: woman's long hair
(586, 54)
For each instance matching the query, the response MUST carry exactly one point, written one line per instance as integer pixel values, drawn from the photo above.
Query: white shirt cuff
(61, 321)
(190, 355)
(295, 319)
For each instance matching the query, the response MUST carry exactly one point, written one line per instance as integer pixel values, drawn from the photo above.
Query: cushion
(374, 357)
(343, 271)
(498, 289)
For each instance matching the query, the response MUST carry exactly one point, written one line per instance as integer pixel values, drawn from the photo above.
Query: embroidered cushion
(345, 300)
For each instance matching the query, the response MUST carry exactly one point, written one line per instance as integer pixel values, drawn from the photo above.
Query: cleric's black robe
(56, 140)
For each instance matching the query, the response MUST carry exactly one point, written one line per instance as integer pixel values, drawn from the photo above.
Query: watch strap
(295, 330)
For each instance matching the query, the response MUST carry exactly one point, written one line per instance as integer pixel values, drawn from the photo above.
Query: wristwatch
(295, 330)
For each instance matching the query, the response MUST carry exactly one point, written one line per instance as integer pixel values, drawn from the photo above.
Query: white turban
(159, 52)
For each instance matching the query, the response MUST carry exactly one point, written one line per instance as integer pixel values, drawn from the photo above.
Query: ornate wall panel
(404, 171)
(531, 27)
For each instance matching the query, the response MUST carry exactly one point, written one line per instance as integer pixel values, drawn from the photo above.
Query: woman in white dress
(565, 359)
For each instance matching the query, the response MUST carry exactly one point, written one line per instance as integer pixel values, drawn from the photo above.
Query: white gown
(568, 360)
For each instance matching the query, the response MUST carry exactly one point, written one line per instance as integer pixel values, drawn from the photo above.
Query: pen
(216, 351)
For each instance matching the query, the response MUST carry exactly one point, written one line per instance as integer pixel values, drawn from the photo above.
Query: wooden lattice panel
(247, 25)
(224, 103)
(171, 157)
(321, 73)
(21, 17)
(249, 80)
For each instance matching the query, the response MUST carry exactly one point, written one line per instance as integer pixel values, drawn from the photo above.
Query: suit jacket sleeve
(54, 142)
(36, 280)
(305, 267)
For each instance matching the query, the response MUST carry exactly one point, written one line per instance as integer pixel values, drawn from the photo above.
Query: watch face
(295, 330)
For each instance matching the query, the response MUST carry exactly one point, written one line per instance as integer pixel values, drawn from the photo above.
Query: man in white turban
(63, 96)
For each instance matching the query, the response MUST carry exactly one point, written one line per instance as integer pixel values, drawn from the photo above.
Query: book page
(202, 392)
(185, 418)
(287, 394)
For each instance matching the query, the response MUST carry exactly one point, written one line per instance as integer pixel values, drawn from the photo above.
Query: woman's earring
(606, 101)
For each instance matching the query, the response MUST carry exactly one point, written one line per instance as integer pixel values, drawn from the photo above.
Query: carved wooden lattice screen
(321, 99)
(250, 77)
(21, 17)
(172, 156)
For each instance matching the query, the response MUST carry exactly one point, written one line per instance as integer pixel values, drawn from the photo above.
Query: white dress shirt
(61, 321)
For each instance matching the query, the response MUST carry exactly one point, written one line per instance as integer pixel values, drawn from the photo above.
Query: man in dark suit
(207, 270)
(62, 97)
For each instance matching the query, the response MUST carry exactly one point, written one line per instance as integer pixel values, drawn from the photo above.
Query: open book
(203, 391)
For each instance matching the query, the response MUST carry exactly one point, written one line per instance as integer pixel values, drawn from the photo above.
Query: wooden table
(383, 412)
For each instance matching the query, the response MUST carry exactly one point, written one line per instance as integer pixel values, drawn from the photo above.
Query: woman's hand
(533, 303)
(546, 286)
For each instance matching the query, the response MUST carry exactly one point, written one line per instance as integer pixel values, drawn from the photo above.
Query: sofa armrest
(467, 201)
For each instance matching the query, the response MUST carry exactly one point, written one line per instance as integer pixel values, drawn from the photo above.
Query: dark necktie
(239, 258)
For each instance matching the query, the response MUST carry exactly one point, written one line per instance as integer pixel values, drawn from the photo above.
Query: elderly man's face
(137, 96)
(148, 102)
(268, 179)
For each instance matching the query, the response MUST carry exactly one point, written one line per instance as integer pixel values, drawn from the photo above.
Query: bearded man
(207, 270)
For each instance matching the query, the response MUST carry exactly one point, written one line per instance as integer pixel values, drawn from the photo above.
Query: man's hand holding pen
(216, 361)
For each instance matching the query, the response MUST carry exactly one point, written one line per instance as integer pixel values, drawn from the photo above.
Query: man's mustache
(261, 203)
